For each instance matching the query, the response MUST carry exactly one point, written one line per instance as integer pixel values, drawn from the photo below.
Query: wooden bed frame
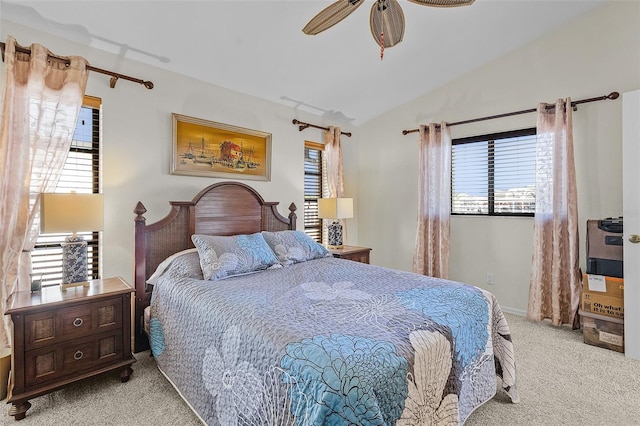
(225, 208)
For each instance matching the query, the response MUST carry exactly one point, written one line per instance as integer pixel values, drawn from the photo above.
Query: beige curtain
(434, 201)
(333, 161)
(41, 103)
(333, 155)
(554, 290)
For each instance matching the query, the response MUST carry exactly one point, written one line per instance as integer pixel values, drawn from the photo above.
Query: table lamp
(335, 208)
(72, 212)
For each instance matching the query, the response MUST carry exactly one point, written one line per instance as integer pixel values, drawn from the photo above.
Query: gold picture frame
(210, 149)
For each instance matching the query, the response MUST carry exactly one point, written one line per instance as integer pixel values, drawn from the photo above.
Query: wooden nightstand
(60, 337)
(358, 254)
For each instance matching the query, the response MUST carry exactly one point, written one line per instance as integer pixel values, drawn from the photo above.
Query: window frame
(48, 266)
(490, 139)
(323, 189)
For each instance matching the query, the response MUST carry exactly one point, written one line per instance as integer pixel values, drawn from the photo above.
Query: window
(315, 187)
(494, 174)
(81, 173)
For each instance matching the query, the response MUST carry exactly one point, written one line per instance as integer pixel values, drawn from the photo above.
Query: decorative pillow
(187, 266)
(223, 257)
(182, 266)
(294, 246)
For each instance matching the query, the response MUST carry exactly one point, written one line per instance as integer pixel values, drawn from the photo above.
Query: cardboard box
(603, 295)
(592, 284)
(602, 331)
(603, 305)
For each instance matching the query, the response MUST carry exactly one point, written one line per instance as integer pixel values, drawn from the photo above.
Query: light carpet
(561, 381)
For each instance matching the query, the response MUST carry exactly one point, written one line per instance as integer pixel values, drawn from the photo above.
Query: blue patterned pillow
(223, 257)
(294, 246)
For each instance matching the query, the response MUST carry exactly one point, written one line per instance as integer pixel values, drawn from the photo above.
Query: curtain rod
(114, 75)
(612, 95)
(303, 126)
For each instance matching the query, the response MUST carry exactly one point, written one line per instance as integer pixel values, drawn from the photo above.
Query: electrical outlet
(490, 278)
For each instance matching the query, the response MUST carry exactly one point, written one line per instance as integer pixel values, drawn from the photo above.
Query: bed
(255, 324)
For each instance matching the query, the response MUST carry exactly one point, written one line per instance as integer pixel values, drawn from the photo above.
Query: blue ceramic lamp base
(335, 235)
(74, 262)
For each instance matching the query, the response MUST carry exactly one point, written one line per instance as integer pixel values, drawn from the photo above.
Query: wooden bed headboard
(225, 208)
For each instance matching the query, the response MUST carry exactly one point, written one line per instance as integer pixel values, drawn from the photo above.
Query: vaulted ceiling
(258, 47)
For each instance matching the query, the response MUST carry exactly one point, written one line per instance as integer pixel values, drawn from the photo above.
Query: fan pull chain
(382, 30)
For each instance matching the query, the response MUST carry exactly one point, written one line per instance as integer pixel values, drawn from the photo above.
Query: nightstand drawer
(57, 325)
(70, 358)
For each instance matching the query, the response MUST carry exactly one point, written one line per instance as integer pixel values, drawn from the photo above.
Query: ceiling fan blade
(387, 22)
(443, 3)
(331, 15)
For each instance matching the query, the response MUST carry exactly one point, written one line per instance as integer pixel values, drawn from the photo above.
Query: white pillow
(165, 264)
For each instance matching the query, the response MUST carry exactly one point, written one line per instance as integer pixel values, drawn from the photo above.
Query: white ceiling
(257, 47)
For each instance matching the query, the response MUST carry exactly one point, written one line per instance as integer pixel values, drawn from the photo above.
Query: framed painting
(209, 149)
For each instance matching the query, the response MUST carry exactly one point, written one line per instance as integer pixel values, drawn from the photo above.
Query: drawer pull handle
(78, 355)
(77, 322)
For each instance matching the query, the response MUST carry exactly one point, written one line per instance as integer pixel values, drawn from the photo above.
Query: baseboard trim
(513, 311)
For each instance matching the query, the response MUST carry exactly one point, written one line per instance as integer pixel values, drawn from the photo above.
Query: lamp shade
(335, 208)
(71, 212)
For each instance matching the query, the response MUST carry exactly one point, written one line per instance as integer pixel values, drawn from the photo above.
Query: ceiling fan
(386, 19)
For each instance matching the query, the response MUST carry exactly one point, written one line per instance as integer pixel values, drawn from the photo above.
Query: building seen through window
(494, 174)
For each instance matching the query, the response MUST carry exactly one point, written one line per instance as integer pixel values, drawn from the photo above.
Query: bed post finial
(293, 218)
(139, 211)
(140, 262)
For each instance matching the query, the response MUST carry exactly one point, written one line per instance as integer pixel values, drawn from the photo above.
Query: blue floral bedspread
(329, 342)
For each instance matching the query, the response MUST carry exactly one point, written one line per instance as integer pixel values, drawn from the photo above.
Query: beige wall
(577, 61)
(137, 136)
(380, 163)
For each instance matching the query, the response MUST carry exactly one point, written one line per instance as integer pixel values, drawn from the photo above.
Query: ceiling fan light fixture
(386, 19)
